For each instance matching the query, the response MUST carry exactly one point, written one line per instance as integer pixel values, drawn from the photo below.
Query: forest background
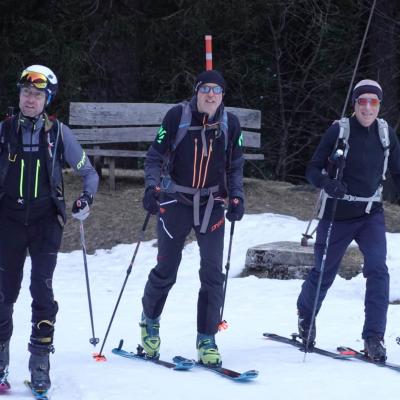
(293, 60)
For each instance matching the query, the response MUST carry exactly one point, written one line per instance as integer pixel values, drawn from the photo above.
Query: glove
(150, 199)
(235, 209)
(335, 188)
(81, 206)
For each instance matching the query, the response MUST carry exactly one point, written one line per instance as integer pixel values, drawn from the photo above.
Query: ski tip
(99, 357)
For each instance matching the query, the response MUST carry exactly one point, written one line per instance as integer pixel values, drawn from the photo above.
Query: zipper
(208, 160)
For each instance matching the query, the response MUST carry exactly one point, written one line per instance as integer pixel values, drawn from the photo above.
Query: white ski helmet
(41, 78)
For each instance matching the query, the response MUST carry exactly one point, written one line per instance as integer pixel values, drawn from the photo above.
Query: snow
(253, 306)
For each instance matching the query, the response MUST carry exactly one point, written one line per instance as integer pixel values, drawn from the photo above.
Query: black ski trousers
(42, 238)
(175, 221)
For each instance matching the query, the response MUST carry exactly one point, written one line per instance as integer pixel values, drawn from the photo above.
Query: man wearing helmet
(32, 213)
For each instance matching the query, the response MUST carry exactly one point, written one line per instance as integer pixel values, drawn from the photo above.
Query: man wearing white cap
(369, 148)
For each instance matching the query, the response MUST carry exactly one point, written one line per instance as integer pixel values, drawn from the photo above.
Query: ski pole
(223, 324)
(99, 356)
(93, 340)
(305, 235)
(339, 174)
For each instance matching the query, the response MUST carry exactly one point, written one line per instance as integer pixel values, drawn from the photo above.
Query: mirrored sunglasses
(363, 101)
(34, 78)
(208, 89)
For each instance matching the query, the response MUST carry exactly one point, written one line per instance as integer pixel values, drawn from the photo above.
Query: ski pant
(370, 234)
(175, 222)
(42, 238)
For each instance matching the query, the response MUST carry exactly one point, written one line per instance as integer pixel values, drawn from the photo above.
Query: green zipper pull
(37, 177)
(21, 179)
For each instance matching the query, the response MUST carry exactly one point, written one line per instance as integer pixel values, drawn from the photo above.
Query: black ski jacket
(363, 169)
(222, 166)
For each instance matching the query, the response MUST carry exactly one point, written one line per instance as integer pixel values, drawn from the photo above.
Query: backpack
(185, 126)
(343, 144)
(343, 140)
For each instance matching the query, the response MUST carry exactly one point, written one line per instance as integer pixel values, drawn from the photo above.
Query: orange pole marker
(209, 63)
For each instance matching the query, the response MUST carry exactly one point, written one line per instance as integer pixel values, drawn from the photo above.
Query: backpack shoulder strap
(383, 130)
(184, 124)
(224, 127)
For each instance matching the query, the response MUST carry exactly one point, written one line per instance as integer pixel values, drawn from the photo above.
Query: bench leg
(97, 163)
(111, 166)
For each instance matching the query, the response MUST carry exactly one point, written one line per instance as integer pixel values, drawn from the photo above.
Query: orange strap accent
(208, 160)
(194, 162)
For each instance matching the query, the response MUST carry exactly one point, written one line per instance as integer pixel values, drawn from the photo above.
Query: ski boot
(374, 348)
(39, 367)
(207, 351)
(150, 336)
(304, 329)
(4, 361)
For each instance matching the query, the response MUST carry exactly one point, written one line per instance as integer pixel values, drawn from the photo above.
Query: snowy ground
(253, 306)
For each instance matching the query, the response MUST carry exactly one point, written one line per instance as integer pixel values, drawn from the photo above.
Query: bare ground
(117, 216)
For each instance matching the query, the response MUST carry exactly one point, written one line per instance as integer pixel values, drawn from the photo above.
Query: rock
(290, 260)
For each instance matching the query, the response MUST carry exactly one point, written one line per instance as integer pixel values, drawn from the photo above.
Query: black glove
(235, 209)
(150, 199)
(81, 206)
(335, 188)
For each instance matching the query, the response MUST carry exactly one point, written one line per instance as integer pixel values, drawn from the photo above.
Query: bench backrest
(138, 122)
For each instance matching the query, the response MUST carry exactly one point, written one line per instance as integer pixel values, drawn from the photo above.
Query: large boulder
(290, 260)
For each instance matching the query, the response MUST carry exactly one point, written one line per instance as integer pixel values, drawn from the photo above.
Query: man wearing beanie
(203, 145)
(366, 150)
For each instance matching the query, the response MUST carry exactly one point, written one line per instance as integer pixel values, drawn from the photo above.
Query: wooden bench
(98, 124)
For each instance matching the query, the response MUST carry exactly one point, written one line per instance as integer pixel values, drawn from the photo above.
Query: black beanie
(210, 76)
(366, 86)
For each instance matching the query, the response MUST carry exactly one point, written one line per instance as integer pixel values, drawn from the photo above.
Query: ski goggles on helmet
(363, 101)
(207, 89)
(36, 79)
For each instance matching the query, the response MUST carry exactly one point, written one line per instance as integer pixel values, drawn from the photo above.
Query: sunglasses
(363, 101)
(208, 89)
(34, 78)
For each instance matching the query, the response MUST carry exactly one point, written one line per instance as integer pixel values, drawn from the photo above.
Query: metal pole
(306, 235)
(338, 177)
(93, 340)
(99, 356)
(223, 324)
(209, 61)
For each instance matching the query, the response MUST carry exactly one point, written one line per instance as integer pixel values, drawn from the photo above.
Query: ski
(183, 364)
(348, 351)
(222, 371)
(42, 395)
(297, 343)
